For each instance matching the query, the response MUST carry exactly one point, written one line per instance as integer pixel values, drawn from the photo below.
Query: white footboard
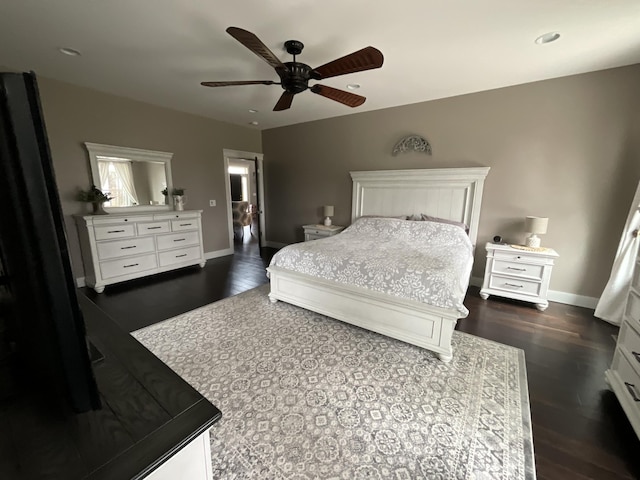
(412, 322)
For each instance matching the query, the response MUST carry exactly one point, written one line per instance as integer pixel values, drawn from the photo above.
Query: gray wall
(75, 115)
(566, 148)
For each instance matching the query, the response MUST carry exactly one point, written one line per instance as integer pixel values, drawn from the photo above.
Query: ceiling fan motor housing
(295, 78)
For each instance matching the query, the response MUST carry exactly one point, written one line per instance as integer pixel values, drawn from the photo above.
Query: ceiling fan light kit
(295, 76)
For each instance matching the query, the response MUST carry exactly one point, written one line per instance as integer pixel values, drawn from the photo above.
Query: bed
(451, 193)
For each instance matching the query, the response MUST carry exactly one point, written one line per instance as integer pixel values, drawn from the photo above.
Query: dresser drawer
(629, 340)
(630, 379)
(184, 224)
(521, 286)
(517, 269)
(123, 248)
(108, 232)
(153, 227)
(633, 306)
(110, 219)
(176, 240)
(126, 266)
(176, 215)
(179, 256)
(520, 257)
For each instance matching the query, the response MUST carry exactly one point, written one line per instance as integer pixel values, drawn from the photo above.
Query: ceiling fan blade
(240, 82)
(285, 102)
(254, 44)
(347, 98)
(364, 59)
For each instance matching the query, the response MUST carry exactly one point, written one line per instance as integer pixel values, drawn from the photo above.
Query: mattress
(424, 261)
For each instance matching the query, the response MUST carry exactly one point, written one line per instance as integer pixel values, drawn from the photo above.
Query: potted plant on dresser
(96, 197)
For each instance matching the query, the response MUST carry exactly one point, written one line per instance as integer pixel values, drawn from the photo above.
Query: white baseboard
(556, 296)
(219, 253)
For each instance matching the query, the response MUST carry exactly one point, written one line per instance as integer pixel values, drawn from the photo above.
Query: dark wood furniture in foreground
(148, 414)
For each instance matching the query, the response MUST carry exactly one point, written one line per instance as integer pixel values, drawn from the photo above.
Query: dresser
(314, 232)
(518, 274)
(116, 248)
(624, 375)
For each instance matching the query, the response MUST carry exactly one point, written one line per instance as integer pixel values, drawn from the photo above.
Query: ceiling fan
(295, 76)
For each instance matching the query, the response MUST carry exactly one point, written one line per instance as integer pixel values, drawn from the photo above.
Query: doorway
(245, 201)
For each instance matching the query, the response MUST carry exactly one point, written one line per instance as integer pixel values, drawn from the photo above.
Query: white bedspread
(424, 261)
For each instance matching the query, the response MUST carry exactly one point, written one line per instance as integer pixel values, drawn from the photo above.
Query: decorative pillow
(414, 217)
(429, 218)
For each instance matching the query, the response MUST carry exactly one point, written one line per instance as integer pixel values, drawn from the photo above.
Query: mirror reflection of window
(116, 177)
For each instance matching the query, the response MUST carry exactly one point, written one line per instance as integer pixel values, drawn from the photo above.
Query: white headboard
(451, 193)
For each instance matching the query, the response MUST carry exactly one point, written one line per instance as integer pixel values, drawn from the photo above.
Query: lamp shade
(328, 210)
(536, 224)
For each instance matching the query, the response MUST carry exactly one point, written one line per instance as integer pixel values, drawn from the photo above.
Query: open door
(255, 168)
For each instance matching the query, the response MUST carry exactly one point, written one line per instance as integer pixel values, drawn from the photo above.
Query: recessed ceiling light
(547, 38)
(69, 51)
(253, 123)
(253, 110)
(353, 86)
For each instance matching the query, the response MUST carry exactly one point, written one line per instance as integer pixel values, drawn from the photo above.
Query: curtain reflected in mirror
(132, 183)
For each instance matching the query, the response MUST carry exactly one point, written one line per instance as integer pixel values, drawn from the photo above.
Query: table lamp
(535, 226)
(328, 213)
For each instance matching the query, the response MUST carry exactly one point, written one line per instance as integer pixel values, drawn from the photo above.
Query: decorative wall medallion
(414, 143)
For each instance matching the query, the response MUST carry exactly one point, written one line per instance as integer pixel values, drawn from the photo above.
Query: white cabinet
(116, 248)
(624, 374)
(519, 274)
(314, 232)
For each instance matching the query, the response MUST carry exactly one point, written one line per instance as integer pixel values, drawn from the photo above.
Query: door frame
(230, 154)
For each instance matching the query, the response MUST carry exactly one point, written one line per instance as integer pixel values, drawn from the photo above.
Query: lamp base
(327, 222)
(533, 241)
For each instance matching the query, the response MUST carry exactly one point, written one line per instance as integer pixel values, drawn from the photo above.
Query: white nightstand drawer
(124, 248)
(184, 224)
(518, 269)
(179, 256)
(126, 266)
(519, 257)
(108, 232)
(177, 240)
(521, 286)
(153, 227)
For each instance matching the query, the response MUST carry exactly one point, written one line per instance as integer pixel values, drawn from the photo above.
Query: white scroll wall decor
(412, 143)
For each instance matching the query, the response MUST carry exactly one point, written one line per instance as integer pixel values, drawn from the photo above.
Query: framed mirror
(138, 180)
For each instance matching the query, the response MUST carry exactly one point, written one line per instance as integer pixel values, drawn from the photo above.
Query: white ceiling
(158, 51)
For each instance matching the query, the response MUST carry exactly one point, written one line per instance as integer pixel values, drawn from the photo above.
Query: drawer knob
(126, 248)
(115, 231)
(632, 390)
(182, 255)
(132, 265)
(513, 285)
(517, 269)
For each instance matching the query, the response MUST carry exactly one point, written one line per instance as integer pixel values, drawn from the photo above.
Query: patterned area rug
(307, 397)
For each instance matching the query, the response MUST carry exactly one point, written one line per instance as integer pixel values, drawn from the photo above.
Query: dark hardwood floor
(579, 429)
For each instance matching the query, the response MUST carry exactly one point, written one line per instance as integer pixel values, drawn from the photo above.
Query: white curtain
(103, 169)
(125, 175)
(614, 297)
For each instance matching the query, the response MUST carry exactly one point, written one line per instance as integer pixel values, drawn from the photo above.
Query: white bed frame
(451, 193)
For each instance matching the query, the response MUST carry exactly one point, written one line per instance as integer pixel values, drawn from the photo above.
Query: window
(116, 178)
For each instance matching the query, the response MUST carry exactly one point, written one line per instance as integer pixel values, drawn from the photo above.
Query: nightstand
(314, 232)
(518, 274)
